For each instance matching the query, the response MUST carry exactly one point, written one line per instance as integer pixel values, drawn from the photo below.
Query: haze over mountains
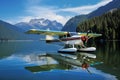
(17, 31)
(11, 32)
(73, 22)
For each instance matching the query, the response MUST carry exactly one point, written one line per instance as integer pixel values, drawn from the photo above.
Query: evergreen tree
(108, 25)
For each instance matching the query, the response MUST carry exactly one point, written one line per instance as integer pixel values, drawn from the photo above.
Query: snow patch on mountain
(42, 23)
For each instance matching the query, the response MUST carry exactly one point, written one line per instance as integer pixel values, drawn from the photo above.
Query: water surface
(19, 60)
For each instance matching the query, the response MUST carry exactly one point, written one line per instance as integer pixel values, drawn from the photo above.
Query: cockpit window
(73, 33)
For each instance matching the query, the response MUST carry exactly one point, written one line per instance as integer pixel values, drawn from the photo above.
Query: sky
(15, 11)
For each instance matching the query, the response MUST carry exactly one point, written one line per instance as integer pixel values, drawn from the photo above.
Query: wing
(59, 33)
(90, 34)
(46, 32)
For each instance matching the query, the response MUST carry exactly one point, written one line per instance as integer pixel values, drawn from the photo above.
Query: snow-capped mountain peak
(40, 24)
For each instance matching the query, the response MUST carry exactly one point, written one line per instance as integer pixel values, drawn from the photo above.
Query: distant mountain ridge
(17, 31)
(42, 23)
(11, 32)
(72, 24)
(112, 5)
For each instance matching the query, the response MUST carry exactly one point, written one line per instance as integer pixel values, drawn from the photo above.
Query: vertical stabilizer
(49, 38)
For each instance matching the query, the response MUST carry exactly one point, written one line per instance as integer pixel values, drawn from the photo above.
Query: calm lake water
(21, 60)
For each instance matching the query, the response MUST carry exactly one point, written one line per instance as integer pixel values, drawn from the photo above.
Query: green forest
(108, 25)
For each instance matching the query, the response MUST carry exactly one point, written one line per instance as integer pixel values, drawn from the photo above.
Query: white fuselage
(76, 39)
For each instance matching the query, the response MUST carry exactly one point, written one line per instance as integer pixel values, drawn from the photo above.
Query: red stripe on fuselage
(70, 38)
(64, 39)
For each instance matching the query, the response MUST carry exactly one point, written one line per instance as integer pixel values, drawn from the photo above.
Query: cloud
(37, 12)
(45, 12)
(34, 10)
(53, 13)
(86, 9)
(26, 18)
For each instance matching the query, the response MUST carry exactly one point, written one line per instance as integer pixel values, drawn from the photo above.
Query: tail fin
(49, 38)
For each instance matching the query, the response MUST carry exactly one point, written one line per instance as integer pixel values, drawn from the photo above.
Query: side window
(72, 33)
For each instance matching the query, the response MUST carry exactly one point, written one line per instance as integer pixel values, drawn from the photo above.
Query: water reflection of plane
(50, 64)
(64, 62)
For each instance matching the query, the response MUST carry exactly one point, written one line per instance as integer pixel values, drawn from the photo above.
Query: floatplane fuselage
(73, 41)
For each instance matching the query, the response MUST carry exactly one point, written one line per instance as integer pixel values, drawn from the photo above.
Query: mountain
(17, 31)
(112, 5)
(73, 22)
(108, 25)
(42, 23)
(11, 32)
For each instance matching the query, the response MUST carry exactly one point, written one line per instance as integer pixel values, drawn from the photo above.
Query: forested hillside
(107, 24)
(73, 22)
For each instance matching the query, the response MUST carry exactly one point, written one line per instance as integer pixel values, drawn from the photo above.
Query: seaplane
(73, 41)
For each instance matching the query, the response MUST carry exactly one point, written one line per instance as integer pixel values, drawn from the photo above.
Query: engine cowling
(84, 38)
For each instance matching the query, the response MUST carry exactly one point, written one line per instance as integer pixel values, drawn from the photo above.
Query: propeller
(86, 37)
